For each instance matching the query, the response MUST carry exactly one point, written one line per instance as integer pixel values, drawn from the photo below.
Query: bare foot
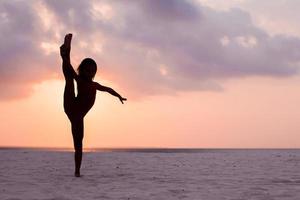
(77, 174)
(67, 41)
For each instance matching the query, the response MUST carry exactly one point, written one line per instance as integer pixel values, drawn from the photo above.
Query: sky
(196, 73)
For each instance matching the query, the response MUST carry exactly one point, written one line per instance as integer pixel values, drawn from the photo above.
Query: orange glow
(249, 113)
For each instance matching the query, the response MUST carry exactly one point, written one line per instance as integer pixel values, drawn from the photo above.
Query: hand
(122, 99)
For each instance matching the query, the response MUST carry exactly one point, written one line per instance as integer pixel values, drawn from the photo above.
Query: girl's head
(87, 69)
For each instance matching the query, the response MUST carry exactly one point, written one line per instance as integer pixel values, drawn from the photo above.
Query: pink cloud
(146, 47)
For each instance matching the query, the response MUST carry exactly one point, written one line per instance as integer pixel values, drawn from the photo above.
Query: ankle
(77, 174)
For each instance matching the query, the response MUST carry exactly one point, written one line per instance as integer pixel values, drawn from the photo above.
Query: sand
(208, 174)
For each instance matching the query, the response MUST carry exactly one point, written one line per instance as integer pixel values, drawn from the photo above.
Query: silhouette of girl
(76, 107)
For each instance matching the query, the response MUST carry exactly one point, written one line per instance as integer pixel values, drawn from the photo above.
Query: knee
(76, 119)
(67, 111)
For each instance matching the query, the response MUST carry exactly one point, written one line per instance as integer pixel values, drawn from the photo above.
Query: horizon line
(133, 148)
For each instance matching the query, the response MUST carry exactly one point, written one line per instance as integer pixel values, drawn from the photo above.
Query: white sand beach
(208, 174)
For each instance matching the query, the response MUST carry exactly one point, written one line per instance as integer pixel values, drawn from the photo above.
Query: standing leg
(77, 132)
(71, 111)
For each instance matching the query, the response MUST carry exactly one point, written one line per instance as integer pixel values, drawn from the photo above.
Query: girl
(76, 107)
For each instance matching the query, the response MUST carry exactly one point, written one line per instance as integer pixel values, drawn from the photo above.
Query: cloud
(22, 60)
(146, 47)
(276, 17)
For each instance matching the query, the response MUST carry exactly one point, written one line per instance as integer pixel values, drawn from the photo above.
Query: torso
(86, 95)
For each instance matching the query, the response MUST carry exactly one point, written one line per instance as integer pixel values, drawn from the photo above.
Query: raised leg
(70, 75)
(77, 132)
(69, 98)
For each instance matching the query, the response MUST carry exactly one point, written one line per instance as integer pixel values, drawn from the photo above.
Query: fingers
(122, 99)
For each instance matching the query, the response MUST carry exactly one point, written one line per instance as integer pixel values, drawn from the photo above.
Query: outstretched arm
(65, 50)
(110, 91)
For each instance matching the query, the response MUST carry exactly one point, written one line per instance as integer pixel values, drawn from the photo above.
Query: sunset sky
(196, 73)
